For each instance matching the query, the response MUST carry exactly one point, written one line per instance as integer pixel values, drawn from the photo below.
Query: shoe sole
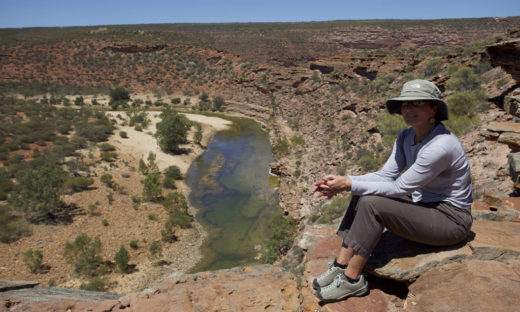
(315, 284)
(358, 293)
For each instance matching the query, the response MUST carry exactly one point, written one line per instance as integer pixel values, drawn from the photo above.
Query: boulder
(512, 105)
(504, 126)
(403, 260)
(510, 138)
(514, 167)
(471, 286)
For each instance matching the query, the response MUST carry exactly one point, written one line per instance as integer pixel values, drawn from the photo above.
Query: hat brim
(394, 106)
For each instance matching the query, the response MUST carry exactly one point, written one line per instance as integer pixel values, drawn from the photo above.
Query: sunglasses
(414, 104)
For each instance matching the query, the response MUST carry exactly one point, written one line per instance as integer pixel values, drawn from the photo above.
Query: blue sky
(44, 13)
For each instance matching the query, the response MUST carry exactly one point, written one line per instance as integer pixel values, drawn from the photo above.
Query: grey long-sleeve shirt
(438, 170)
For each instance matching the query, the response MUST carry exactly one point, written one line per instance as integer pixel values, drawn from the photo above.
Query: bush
(123, 134)
(180, 219)
(78, 184)
(85, 254)
(281, 148)
(368, 160)
(152, 187)
(107, 179)
(433, 66)
(390, 126)
(108, 156)
(33, 260)
(134, 244)
(94, 284)
(175, 201)
(176, 100)
(172, 131)
(283, 230)
(197, 137)
(155, 248)
(12, 227)
(5, 187)
(105, 147)
(173, 172)
(466, 103)
(39, 190)
(464, 79)
(121, 259)
(333, 209)
(169, 183)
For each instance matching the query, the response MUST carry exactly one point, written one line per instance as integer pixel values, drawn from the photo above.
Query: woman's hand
(332, 185)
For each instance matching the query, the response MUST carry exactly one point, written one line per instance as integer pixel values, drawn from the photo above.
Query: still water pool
(231, 187)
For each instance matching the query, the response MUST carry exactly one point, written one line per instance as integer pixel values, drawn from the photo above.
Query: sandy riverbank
(185, 254)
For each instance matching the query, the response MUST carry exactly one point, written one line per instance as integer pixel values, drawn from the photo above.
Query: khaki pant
(437, 224)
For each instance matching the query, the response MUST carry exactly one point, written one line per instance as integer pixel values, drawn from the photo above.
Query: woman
(428, 203)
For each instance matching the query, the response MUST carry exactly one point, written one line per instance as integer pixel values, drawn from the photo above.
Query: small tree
(121, 259)
(152, 187)
(172, 131)
(39, 189)
(33, 260)
(85, 254)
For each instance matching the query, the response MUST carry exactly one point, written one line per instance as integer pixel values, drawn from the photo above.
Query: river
(234, 194)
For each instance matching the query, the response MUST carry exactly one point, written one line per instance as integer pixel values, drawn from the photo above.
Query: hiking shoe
(327, 277)
(340, 289)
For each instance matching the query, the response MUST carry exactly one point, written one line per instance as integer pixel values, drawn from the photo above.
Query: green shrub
(104, 222)
(169, 183)
(155, 249)
(151, 187)
(39, 189)
(461, 125)
(172, 130)
(12, 227)
(176, 100)
(108, 156)
(123, 134)
(367, 160)
(297, 140)
(281, 147)
(283, 230)
(84, 254)
(433, 66)
(78, 184)
(390, 126)
(173, 172)
(94, 284)
(107, 179)
(175, 201)
(180, 219)
(121, 259)
(467, 103)
(464, 79)
(33, 260)
(5, 187)
(334, 209)
(197, 137)
(134, 244)
(106, 147)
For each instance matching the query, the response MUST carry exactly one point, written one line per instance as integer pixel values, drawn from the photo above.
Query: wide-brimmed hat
(419, 90)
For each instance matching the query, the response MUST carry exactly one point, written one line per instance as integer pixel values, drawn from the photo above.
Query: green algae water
(231, 187)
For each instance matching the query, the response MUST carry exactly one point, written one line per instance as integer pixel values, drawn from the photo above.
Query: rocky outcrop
(432, 272)
(257, 288)
(135, 48)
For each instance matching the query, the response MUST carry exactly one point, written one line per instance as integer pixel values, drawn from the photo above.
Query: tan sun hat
(419, 90)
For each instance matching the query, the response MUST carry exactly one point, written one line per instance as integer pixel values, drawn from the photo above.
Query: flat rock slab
(403, 260)
(499, 236)
(471, 286)
(256, 288)
(504, 126)
(13, 285)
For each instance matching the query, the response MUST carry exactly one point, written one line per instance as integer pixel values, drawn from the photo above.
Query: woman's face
(418, 113)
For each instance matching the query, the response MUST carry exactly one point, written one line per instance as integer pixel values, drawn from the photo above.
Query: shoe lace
(335, 283)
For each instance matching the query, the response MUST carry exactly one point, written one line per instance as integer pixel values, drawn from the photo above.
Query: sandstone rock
(13, 285)
(514, 167)
(505, 54)
(470, 286)
(512, 105)
(56, 299)
(492, 238)
(402, 260)
(258, 288)
(510, 138)
(504, 126)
